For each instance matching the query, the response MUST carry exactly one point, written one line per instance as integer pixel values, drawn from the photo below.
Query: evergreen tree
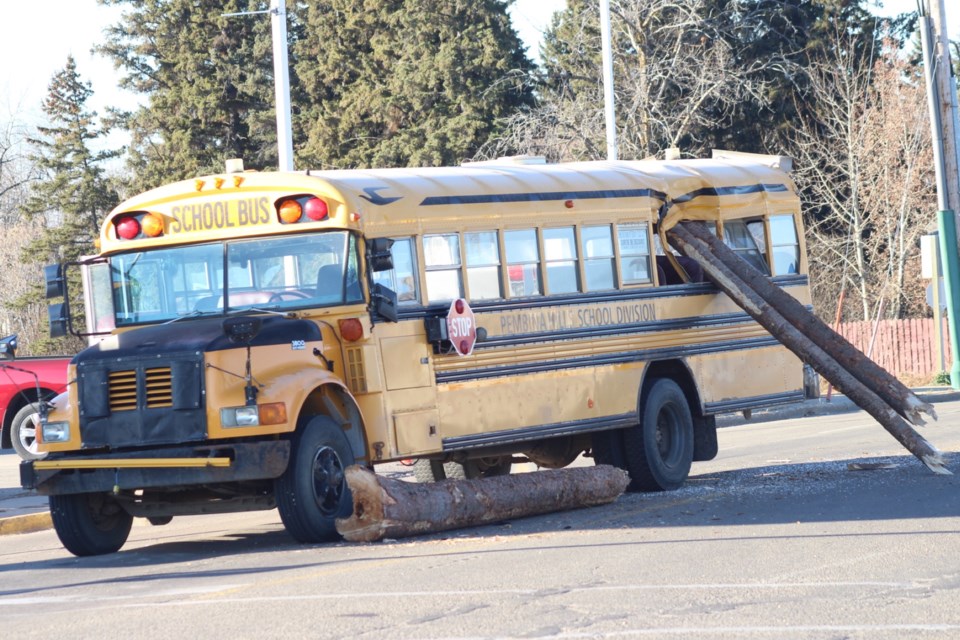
(72, 183)
(407, 83)
(72, 192)
(208, 81)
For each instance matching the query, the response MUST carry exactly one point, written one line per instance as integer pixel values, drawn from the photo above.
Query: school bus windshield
(292, 271)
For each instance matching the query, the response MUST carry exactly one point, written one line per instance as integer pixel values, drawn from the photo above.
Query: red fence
(901, 346)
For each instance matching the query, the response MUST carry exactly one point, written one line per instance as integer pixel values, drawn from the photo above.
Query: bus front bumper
(162, 468)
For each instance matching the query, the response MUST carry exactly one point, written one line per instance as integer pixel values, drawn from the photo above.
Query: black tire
(159, 521)
(23, 432)
(312, 493)
(659, 451)
(90, 524)
(425, 470)
(607, 448)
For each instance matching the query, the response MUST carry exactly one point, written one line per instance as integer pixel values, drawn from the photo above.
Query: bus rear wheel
(90, 524)
(312, 493)
(659, 451)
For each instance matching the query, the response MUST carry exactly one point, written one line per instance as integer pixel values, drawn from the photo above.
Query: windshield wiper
(272, 309)
(196, 313)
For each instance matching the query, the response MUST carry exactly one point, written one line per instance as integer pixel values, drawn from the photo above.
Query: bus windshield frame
(292, 271)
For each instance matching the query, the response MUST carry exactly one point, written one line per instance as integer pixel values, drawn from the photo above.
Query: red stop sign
(461, 327)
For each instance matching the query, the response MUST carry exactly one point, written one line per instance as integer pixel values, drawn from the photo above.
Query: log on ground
(387, 508)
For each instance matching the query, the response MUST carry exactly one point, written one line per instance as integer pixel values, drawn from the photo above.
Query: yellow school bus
(256, 333)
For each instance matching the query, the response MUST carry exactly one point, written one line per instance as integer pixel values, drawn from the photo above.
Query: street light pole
(281, 79)
(281, 75)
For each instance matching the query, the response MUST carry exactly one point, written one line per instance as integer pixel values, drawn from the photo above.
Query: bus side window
(560, 259)
(483, 265)
(598, 257)
(441, 256)
(403, 277)
(634, 243)
(785, 246)
(523, 262)
(742, 238)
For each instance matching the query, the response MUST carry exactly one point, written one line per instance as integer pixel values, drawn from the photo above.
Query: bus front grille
(123, 390)
(158, 383)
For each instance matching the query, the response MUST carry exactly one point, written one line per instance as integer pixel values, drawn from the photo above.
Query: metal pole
(608, 99)
(281, 74)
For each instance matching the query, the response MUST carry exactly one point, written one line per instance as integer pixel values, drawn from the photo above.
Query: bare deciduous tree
(864, 165)
(16, 169)
(676, 75)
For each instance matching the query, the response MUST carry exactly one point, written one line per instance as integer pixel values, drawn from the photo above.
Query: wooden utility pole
(946, 99)
(942, 100)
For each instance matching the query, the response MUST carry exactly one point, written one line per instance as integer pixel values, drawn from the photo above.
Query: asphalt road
(781, 537)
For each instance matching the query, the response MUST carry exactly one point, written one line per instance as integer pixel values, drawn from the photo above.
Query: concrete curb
(29, 523)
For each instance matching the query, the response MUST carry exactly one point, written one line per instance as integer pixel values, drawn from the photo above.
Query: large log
(790, 337)
(872, 375)
(386, 508)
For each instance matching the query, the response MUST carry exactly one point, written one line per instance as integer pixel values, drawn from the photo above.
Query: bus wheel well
(332, 401)
(704, 426)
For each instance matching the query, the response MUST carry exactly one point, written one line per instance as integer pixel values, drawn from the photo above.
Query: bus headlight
(55, 432)
(263, 414)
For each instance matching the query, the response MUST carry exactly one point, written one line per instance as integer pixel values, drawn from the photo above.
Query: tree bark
(806, 350)
(386, 508)
(872, 375)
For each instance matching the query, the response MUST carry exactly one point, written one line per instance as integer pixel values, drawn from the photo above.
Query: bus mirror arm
(326, 362)
(242, 330)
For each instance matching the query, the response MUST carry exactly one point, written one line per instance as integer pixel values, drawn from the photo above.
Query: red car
(23, 382)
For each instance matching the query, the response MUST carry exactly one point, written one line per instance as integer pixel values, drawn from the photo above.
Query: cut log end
(366, 524)
(915, 407)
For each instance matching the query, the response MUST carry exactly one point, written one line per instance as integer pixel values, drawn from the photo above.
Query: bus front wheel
(312, 493)
(659, 451)
(90, 524)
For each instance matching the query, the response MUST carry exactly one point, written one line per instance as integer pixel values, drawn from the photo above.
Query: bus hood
(197, 336)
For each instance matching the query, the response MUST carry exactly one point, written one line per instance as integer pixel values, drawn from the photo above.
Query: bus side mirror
(56, 285)
(59, 317)
(378, 254)
(8, 347)
(383, 303)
